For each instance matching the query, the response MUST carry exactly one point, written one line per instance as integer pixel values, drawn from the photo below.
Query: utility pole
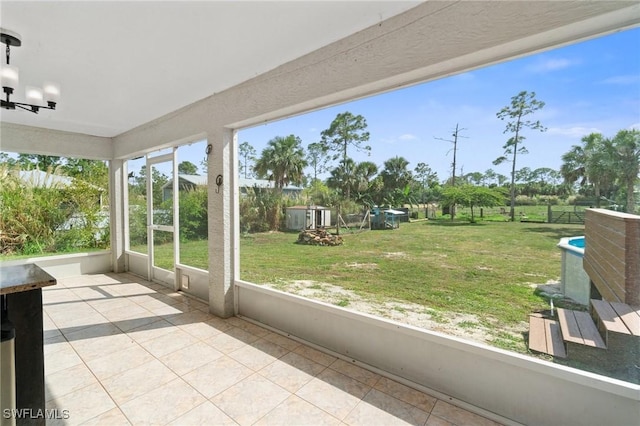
(455, 135)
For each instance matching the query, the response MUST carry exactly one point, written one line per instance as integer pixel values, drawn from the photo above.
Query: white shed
(308, 217)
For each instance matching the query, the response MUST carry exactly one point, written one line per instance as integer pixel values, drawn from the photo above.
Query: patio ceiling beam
(430, 41)
(35, 140)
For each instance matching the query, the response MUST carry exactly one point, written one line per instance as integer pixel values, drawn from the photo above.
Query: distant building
(308, 217)
(189, 182)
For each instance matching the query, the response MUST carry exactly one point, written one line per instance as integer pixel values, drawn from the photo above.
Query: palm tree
(282, 161)
(344, 177)
(625, 148)
(395, 173)
(589, 163)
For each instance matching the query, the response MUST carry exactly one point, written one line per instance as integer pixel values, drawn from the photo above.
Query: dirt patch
(466, 326)
(357, 265)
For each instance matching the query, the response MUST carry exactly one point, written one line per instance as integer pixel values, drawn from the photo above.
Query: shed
(385, 218)
(308, 217)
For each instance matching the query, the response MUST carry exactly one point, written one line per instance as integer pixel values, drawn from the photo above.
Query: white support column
(117, 193)
(223, 250)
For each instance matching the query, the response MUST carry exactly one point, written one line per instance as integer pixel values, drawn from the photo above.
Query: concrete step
(578, 327)
(545, 337)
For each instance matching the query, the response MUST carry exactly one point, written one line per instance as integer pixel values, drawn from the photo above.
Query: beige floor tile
(190, 357)
(113, 417)
(105, 303)
(437, 421)
(61, 359)
(126, 325)
(263, 395)
(281, 340)
(68, 380)
(355, 372)
(126, 312)
(226, 343)
(151, 331)
(84, 404)
(248, 326)
(74, 316)
(204, 414)
(58, 295)
(333, 392)
(119, 362)
(162, 404)
(296, 411)
(170, 310)
(258, 354)
(217, 375)
(202, 330)
(130, 289)
(170, 342)
(138, 381)
(404, 393)
(292, 371)
(315, 355)
(459, 416)
(99, 346)
(53, 344)
(380, 408)
(90, 293)
(190, 317)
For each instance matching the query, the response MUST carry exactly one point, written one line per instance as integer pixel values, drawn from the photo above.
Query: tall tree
(41, 162)
(95, 172)
(346, 130)
(522, 105)
(247, 154)
(395, 173)
(317, 158)
(590, 164)
(282, 161)
(187, 168)
(343, 178)
(626, 156)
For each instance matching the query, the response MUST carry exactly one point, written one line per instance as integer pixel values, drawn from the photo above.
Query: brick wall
(612, 254)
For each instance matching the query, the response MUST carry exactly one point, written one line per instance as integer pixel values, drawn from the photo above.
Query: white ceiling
(122, 64)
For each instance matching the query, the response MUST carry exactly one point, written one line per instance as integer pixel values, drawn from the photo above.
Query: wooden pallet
(545, 337)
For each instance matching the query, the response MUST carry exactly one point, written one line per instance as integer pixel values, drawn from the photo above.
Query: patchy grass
(487, 269)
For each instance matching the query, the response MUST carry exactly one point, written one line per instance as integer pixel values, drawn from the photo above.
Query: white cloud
(623, 79)
(407, 137)
(634, 126)
(547, 65)
(573, 132)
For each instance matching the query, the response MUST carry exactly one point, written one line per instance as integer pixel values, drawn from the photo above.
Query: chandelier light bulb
(10, 76)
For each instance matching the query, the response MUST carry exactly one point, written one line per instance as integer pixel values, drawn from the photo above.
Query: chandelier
(37, 98)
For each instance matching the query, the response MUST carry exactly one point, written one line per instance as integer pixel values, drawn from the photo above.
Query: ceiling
(122, 64)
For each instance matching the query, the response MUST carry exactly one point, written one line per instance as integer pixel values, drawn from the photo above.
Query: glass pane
(162, 187)
(137, 206)
(192, 201)
(163, 250)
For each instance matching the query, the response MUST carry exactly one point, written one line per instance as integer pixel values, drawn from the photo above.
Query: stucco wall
(612, 254)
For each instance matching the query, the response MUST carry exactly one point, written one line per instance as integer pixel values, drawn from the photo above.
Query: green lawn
(484, 269)
(487, 269)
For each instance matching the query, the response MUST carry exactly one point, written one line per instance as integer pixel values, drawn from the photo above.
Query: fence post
(548, 213)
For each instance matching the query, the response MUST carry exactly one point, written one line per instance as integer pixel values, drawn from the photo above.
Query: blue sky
(593, 86)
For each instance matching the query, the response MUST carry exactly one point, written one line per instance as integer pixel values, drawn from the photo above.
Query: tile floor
(121, 350)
